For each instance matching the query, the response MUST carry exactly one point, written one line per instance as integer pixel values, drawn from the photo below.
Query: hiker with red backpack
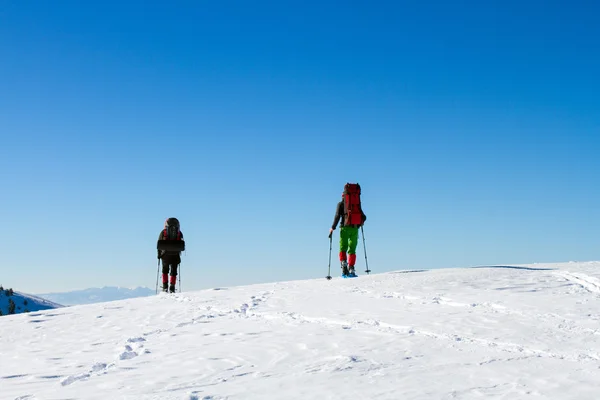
(350, 216)
(169, 246)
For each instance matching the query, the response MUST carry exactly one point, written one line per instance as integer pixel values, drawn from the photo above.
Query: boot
(172, 281)
(344, 268)
(351, 262)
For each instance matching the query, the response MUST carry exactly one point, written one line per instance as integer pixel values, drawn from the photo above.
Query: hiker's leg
(165, 274)
(352, 234)
(173, 277)
(343, 243)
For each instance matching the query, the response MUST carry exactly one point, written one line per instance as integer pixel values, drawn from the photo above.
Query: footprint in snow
(136, 340)
(97, 369)
(128, 354)
(100, 367)
(69, 380)
(131, 350)
(134, 349)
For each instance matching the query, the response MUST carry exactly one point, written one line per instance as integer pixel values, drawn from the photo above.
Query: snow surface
(97, 295)
(503, 332)
(25, 302)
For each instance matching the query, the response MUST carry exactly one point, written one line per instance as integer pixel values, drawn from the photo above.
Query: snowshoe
(349, 273)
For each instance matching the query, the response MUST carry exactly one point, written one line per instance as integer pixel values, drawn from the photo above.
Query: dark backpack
(172, 232)
(352, 209)
(171, 240)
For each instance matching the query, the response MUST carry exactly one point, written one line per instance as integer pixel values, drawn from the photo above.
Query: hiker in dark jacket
(170, 259)
(348, 239)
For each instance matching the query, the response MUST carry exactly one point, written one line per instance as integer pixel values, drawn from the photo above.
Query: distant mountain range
(22, 302)
(96, 295)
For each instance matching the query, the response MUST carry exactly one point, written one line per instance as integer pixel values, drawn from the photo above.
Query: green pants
(348, 239)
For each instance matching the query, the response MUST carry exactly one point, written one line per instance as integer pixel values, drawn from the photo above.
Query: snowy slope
(97, 295)
(472, 333)
(25, 302)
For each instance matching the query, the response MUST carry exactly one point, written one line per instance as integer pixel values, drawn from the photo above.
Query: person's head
(172, 222)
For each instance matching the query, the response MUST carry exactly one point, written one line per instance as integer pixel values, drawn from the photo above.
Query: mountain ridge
(97, 295)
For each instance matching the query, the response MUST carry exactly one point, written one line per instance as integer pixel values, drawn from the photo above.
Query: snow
(24, 301)
(511, 332)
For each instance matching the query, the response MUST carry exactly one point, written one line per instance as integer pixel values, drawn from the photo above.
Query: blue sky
(474, 130)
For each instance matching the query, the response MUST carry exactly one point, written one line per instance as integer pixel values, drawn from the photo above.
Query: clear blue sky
(473, 128)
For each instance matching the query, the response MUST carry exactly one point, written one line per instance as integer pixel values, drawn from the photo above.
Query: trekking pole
(365, 247)
(329, 268)
(179, 278)
(157, 269)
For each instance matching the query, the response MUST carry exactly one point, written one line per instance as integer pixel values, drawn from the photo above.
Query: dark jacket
(340, 214)
(169, 257)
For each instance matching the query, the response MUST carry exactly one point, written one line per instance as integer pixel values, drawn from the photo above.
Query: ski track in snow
(561, 322)
(449, 337)
(590, 284)
(587, 282)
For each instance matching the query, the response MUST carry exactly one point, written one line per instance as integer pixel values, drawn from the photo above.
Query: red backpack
(352, 210)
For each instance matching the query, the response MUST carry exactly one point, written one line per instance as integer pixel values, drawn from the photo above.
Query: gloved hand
(330, 232)
(158, 255)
